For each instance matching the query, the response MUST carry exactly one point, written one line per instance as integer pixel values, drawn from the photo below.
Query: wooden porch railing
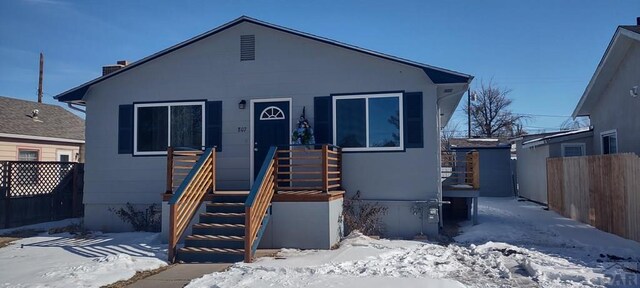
(317, 167)
(189, 194)
(257, 203)
(179, 162)
(457, 171)
(309, 168)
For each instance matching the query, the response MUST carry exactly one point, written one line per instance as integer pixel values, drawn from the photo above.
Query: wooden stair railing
(189, 194)
(257, 203)
(180, 161)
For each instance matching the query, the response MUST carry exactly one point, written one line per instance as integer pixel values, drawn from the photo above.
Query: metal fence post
(74, 191)
(7, 194)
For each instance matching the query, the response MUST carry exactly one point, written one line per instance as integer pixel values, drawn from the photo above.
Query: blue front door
(270, 128)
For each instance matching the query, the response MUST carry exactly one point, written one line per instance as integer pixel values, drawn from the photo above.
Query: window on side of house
(609, 142)
(27, 173)
(160, 125)
(573, 149)
(372, 122)
(28, 155)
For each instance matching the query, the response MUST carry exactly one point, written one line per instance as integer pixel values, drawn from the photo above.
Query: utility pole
(469, 113)
(40, 78)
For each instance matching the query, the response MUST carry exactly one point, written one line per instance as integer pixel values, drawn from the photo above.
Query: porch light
(242, 104)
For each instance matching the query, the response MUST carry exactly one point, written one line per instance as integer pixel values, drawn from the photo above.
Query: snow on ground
(64, 260)
(516, 244)
(42, 226)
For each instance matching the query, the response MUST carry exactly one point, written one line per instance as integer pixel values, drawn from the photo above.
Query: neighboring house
(32, 131)
(385, 113)
(612, 98)
(611, 102)
(532, 153)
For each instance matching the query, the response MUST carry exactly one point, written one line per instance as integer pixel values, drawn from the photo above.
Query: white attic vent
(247, 47)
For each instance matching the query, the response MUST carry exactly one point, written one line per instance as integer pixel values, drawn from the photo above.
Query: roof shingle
(52, 121)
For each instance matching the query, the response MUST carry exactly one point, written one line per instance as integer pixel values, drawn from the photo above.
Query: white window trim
(274, 118)
(163, 104)
(64, 152)
(367, 97)
(29, 150)
(613, 132)
(582, 146)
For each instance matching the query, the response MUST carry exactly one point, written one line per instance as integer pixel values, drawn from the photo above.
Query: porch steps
(219, 235)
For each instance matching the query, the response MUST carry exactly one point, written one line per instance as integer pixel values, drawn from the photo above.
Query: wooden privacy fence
(602, 190)
(33, 192)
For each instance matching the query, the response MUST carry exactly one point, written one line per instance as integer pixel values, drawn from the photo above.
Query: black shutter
(125, 129)
(413, 130)
(322, 115)
(213, 125)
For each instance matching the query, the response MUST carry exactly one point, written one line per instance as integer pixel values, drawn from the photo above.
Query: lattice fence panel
(35, 178)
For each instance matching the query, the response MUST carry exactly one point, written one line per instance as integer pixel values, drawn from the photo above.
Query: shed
(496, 175)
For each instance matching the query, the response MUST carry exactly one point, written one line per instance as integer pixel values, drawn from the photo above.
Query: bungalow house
(32, 131)
(610, 101)
(239, 91)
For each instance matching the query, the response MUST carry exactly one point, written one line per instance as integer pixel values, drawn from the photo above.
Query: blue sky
(545, 51)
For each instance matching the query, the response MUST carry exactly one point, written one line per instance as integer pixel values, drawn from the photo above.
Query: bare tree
(577, 123)
(490, 113)
(447, 133)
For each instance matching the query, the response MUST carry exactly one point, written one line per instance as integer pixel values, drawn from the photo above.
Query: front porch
(231, 224)
(460, 177)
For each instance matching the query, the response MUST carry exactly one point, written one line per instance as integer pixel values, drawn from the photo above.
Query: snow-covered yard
(516, 244)
(64, 260)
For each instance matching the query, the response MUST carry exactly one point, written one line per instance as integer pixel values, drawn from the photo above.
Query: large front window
(370, 122)
(160, 125)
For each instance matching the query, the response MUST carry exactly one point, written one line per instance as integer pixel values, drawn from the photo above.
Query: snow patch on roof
(563, 133)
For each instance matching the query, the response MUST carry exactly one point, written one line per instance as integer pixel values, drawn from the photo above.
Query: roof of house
(436, 74)
(52, 123)
(544, 138)
(458, 143)
(622, 39)
(633, 28)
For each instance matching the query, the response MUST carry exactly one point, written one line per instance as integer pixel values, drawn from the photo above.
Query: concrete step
(215, 241)
(222, 218)
(218, 229)
(209, 255)
(230, 196)
(228, 207)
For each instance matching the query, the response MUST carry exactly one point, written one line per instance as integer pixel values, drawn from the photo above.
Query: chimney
(108, 69)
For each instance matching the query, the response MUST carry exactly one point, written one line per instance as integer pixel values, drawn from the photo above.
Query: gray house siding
(286, 66)
(616, 109)
(555, 148)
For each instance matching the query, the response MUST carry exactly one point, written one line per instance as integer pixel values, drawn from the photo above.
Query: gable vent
(247, 47)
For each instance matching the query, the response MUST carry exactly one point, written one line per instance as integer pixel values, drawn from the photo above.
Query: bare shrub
(365, 217)
(148, 220)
